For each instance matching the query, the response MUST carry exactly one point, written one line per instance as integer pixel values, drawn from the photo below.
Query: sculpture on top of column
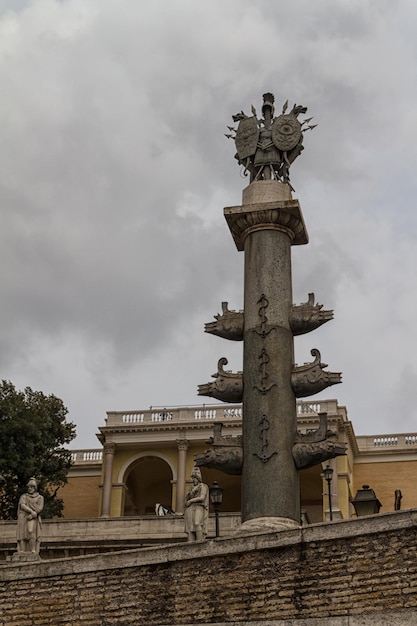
(196, 508)
(266, 147)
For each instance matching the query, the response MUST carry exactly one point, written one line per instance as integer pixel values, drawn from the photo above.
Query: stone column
(109, 450)
(182, 457)
(265, 227)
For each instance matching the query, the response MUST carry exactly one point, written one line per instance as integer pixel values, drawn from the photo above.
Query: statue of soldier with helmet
(266, 147)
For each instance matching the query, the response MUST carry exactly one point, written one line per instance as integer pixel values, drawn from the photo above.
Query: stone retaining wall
(64, 537)
(354, 572)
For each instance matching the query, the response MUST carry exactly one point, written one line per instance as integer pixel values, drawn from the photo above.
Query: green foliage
(33, 431)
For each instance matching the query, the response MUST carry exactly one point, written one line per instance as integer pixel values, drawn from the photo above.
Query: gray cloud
(115, 171)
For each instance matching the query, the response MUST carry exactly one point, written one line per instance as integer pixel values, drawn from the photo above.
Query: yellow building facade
(146, 458)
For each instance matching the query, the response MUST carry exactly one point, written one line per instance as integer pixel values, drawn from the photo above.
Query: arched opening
(148, 481)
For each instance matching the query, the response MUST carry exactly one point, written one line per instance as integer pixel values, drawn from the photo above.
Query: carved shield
(247, 137)
(286, 132)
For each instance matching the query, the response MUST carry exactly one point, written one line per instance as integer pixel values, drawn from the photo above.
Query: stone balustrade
(175, 414)
(86, 457)
(204, 412)
(399, 441)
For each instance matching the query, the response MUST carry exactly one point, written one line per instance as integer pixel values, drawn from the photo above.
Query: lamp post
(216, 497)
(366, 502)
(328, 475)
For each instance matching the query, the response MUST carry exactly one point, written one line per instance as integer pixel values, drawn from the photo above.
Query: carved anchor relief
(264, 302)
(265, 426)
(264, 358)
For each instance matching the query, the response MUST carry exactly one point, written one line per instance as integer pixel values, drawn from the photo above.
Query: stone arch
(148, 478)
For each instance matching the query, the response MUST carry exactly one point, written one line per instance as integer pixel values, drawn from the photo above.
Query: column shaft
(270, 478)
(109, 450)
(182, 457)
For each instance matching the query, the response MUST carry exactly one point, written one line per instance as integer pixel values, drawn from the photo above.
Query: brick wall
(81, 496)
(364, 567)
(385, 478)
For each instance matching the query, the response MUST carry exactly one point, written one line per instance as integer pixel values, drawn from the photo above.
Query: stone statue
(29, 523)
(266, 147)
(196, 508)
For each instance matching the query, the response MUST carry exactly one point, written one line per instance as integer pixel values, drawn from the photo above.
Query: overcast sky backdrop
(114, 171)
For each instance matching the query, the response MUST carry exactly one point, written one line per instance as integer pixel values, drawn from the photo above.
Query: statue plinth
(24, 557)
(266, 191)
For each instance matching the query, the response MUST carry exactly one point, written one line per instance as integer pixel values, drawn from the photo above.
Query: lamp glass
(328, 473)
(216, 493)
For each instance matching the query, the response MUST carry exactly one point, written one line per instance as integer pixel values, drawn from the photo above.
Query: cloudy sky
(114, 171)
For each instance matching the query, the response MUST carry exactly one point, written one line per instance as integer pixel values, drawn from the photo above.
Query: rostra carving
(316, 435)
(226, 453)
(309, 454)
(310, 378)
(317, 446)
(304, 318)
(308, 316)
(228, 386)
(228, 325)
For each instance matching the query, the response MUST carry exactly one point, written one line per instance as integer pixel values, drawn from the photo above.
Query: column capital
(109, 447)
(183, 444)
(283, 216)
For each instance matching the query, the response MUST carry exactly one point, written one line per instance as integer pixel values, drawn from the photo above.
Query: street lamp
(366, 502)
(216, 497)
(328, 475)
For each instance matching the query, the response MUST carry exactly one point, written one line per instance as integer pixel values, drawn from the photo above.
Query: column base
(267, 524)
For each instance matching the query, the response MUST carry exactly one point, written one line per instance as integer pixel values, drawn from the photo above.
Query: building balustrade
(398, 441)
(175, 414)
(385, 441)
(86, 456)
(204, 412)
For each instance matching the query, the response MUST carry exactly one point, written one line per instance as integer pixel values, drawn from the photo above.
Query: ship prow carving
(310, 378)
(317, 446)
(228, 324)
(226, 452)
(227, 386)
(308, 316)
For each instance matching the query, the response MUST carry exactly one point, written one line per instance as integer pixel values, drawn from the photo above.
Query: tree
(33, 431)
